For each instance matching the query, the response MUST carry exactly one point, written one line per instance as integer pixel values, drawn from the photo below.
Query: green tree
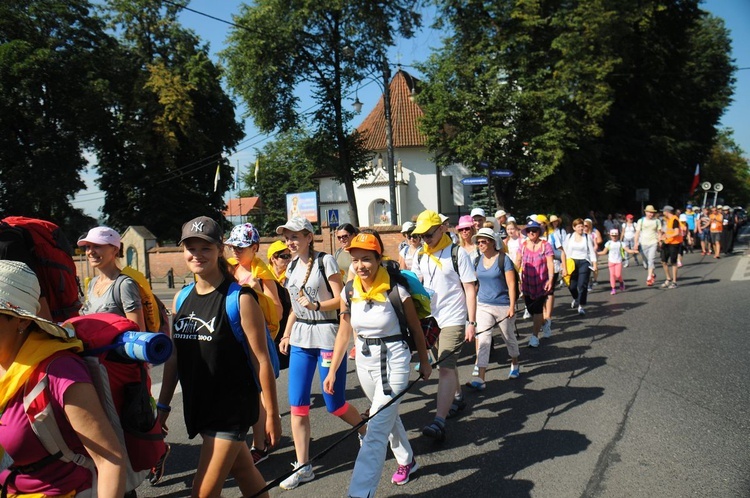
(285, 167)
(172, 124)
(727, 164)
(325, 46)
(55, 62)
(585, 100)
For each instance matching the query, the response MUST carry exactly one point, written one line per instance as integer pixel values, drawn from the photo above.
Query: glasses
(413, 236)
(532, 230)
(283, 255)
(430, 234)
(465, 229)
(483, 241)
(342, 237)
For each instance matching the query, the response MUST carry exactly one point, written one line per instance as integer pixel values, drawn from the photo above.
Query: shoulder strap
(322, 270)
(182, 295)
(232, 306)
(348, 292)
(454, 256)
(116, 293)
(398, 308)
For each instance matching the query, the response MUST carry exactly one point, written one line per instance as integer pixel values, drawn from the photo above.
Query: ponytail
(310, 261)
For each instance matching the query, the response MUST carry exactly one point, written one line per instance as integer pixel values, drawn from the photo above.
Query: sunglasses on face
(430, 234)
(413, 236)
(464, 229)
(342, 237)
(483, 241)
(532, 230)
(284, 255)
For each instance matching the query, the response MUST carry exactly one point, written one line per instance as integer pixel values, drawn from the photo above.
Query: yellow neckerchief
(260, 270)
(37, 347)
(445, 241)
(42, 495)
(378, 290)
(279, 278)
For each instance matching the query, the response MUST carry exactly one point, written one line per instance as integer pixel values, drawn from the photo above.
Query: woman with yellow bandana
(26, 340)
(382, 362)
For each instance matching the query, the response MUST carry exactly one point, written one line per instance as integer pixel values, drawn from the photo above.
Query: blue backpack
(232, 307)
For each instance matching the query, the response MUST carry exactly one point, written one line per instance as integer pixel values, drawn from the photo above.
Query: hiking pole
(351, 431)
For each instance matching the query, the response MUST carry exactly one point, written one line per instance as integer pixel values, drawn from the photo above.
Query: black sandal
(457, 406)
(434, 431)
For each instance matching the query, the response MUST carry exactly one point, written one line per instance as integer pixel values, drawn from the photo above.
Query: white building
(420, 184)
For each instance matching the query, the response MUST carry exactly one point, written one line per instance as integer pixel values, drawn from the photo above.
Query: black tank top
(218, 386)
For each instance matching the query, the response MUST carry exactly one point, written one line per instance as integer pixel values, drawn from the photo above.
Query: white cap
(296, 224)
(443, 218)
(101, 236)
(500, 213)
(478, 212)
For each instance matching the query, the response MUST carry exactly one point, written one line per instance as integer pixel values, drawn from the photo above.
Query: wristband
(317, 305)
(164, 408)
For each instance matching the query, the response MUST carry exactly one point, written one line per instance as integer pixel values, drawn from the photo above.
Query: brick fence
(162, 258)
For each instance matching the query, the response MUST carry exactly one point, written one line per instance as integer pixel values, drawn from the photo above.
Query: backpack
(124, 389)
(421, 302)
(286, 308)
(42, 245)
(232, 308)
(155, 314)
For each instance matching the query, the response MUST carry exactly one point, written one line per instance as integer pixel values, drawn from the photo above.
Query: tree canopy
(585, 101)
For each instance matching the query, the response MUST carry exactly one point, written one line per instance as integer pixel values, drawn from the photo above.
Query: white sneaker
(526, 315)
(533, 341)
(574, 304)
(581, 311)
(303, 474)
(547, 329)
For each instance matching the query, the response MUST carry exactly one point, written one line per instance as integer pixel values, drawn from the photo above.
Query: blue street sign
(504, 173)
(484, 164)
(333, 218)
(475, 180)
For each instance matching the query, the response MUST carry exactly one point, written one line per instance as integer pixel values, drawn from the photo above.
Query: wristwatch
(472, 323)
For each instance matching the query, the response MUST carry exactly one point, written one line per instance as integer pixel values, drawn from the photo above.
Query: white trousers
(386, 426)
(649, 252)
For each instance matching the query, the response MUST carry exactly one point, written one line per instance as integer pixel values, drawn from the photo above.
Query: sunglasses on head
(283, 255)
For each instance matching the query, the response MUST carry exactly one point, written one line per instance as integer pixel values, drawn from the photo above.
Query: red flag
(696, 179)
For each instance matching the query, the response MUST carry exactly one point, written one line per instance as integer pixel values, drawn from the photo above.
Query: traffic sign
(333, 218)
(504, 173)
(475, 180)
(484, 164)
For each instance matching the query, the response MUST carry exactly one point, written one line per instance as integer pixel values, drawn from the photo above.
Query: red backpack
(49, 255)
(124, 389)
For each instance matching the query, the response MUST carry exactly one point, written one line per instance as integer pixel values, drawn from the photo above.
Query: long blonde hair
(310, 262)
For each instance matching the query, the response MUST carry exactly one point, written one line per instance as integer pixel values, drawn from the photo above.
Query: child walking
(616, 250)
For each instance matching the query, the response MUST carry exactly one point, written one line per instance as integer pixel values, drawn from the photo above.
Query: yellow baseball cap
(277, 246)
(427, 220)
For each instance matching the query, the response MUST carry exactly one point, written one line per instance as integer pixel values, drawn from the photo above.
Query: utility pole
(390, 160)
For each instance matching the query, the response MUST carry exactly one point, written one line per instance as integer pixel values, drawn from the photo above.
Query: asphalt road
(647, 395)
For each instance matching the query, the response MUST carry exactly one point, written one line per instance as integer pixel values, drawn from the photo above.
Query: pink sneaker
(613, 292)
(401, 476)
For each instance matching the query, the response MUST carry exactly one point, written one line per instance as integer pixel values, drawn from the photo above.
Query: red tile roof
(405, 116)
(243, 206)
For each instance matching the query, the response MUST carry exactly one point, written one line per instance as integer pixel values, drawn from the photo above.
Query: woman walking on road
(537, 276)
(380, 348)
(309, 339)
(496, 303)
(220, 381)
(580, 248)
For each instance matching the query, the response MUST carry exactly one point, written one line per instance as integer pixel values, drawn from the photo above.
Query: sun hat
(101, 236)
(407, 227)
(296, 224)
(465, 221)
(425, 221)
(19, 296)
(531, 225)
(499, 213)
(668, 209)
(485, 233)
(725, 208)
(277, 246)
(203, 228)
(553, 218)
(478, 212)
(243, 235)
(366, 241)
(511, 219)
(650, 209)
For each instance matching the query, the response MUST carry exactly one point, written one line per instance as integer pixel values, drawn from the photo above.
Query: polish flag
(696, 179)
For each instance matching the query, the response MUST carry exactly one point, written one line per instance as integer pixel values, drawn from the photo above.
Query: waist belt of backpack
(381, 341)
(27, 469)
(315, 322)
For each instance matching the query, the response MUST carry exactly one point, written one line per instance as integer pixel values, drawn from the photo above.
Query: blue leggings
(302, 363)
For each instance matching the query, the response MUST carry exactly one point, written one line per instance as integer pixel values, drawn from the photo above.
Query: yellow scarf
(37, 347)
(261, 271)
(445, 241)
(378, 290)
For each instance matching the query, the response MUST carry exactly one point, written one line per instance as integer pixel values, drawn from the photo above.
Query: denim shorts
(234, 434)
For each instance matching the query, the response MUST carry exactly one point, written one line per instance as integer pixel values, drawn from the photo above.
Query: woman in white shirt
(414, 243)
(580, 248)
(380, 348)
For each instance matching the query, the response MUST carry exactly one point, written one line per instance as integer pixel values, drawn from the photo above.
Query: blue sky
(736, 15)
